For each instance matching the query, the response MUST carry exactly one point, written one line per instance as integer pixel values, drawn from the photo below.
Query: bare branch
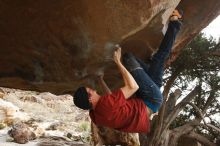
(180, 106)
(162, 109)
(212, 113)
(199, 113)
(187, 131)
(203, 140)
(171, 102)
(209, 101)
(169, 83)
(207, 125)
(188, 127)
(202, 117)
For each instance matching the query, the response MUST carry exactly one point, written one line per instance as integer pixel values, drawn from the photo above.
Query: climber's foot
(177, 15)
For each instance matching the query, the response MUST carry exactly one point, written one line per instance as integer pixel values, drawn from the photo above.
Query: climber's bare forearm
(131, 85)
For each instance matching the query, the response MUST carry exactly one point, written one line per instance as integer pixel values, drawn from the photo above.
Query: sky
(213, 29)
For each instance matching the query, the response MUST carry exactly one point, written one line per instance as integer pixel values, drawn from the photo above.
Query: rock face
(106, 136)
(57, 45)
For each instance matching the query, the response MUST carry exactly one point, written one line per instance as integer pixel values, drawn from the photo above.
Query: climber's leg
(156, 68)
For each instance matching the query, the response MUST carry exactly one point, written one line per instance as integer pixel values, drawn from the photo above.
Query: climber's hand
(117, 55)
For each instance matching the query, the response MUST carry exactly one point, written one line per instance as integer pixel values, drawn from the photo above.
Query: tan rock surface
(58, 45)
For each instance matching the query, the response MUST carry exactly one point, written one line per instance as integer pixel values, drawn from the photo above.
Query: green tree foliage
(199, 64)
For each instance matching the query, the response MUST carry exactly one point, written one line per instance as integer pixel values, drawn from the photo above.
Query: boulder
(21, 133)
(58, 45)
(106, 136)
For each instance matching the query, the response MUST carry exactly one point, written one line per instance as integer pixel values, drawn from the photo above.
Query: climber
(149, 76)
(117, 109)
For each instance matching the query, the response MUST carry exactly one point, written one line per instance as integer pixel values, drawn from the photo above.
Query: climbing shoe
(177, 15)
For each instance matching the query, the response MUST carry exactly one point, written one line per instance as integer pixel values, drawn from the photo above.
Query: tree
(196, 74)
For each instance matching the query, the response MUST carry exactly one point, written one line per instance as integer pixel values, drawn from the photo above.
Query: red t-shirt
(114, 111)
